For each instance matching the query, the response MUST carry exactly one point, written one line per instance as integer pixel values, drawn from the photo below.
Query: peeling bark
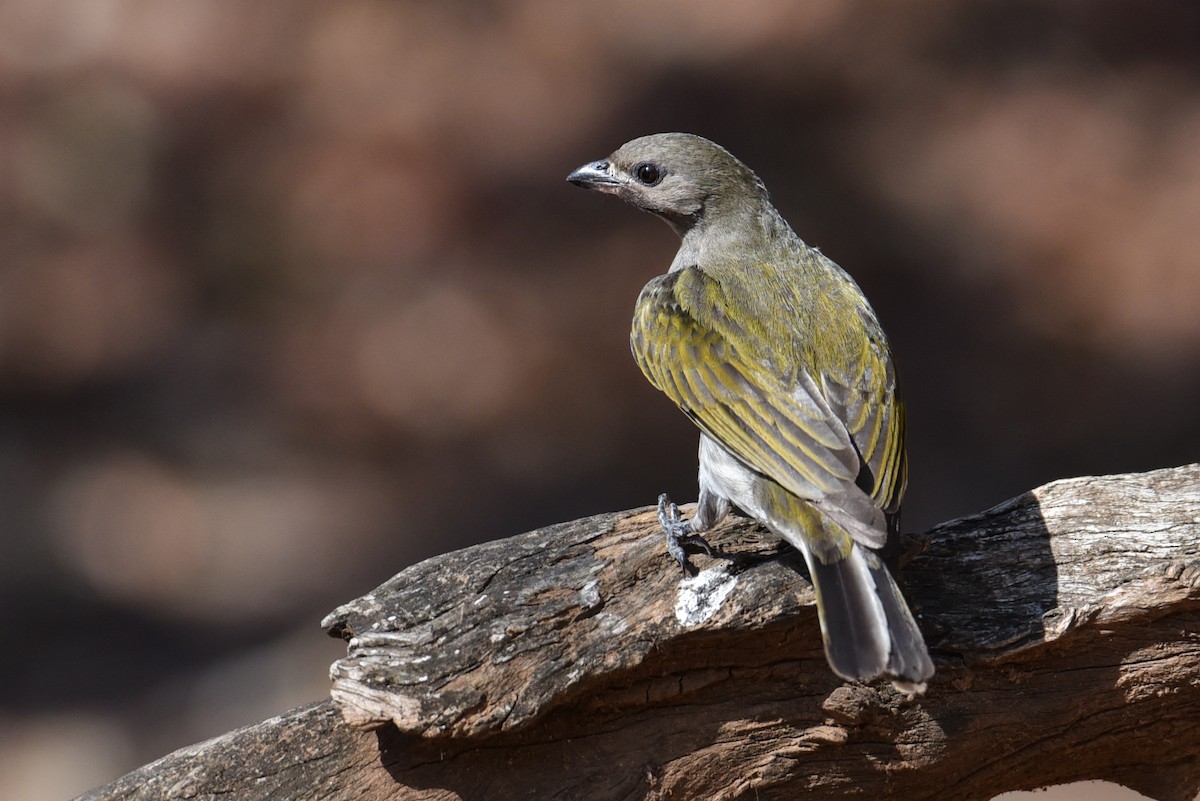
(577, 662)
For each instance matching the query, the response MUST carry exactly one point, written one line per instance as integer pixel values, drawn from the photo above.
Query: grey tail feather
(866, 625)
(909, 660)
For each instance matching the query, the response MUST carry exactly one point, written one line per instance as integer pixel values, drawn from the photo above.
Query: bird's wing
(864, 394)
(692, 346)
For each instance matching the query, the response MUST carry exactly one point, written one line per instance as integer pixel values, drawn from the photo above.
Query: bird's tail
(866, 625)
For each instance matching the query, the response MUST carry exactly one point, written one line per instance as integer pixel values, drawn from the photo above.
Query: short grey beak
(595, 175)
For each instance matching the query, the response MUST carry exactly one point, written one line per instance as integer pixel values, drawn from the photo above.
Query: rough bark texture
(576, 662)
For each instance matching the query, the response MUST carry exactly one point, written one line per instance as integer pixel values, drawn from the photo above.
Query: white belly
(721, 473)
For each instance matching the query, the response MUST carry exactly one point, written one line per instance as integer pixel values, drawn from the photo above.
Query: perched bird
(773, 351)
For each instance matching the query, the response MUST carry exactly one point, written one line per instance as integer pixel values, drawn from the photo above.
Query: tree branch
(577, 662)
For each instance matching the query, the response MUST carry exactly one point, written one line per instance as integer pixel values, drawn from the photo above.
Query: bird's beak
(595, 175)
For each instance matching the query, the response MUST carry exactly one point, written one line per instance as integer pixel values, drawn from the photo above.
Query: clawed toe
(668, 514)
(694, 543)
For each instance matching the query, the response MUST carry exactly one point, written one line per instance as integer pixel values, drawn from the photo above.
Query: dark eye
(648, 173)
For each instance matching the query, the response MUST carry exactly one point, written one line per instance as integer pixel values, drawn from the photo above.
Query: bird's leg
(682, 536)
(678, 531)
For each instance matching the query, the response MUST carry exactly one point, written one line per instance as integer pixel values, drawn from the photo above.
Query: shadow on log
(577, 662)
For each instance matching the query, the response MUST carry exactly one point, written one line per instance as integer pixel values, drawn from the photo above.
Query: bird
(774, 352)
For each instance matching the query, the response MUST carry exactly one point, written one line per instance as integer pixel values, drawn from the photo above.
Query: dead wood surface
(576, 662)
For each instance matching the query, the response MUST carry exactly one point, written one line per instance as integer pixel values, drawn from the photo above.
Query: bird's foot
(680, 539)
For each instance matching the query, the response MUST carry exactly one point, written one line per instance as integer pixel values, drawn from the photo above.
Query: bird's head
(683, 178)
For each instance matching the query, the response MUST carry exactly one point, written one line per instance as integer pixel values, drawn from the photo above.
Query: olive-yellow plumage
(774, 352)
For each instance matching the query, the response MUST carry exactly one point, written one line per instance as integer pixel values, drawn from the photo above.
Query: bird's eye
(648, 173)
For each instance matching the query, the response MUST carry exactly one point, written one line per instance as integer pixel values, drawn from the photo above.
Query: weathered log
(577, 662)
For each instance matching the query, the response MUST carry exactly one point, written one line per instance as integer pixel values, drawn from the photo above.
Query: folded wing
(834, 438)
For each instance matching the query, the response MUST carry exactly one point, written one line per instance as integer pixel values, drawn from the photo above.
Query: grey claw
(699, 544)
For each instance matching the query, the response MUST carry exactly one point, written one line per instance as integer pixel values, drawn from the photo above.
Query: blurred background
(293, 294)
